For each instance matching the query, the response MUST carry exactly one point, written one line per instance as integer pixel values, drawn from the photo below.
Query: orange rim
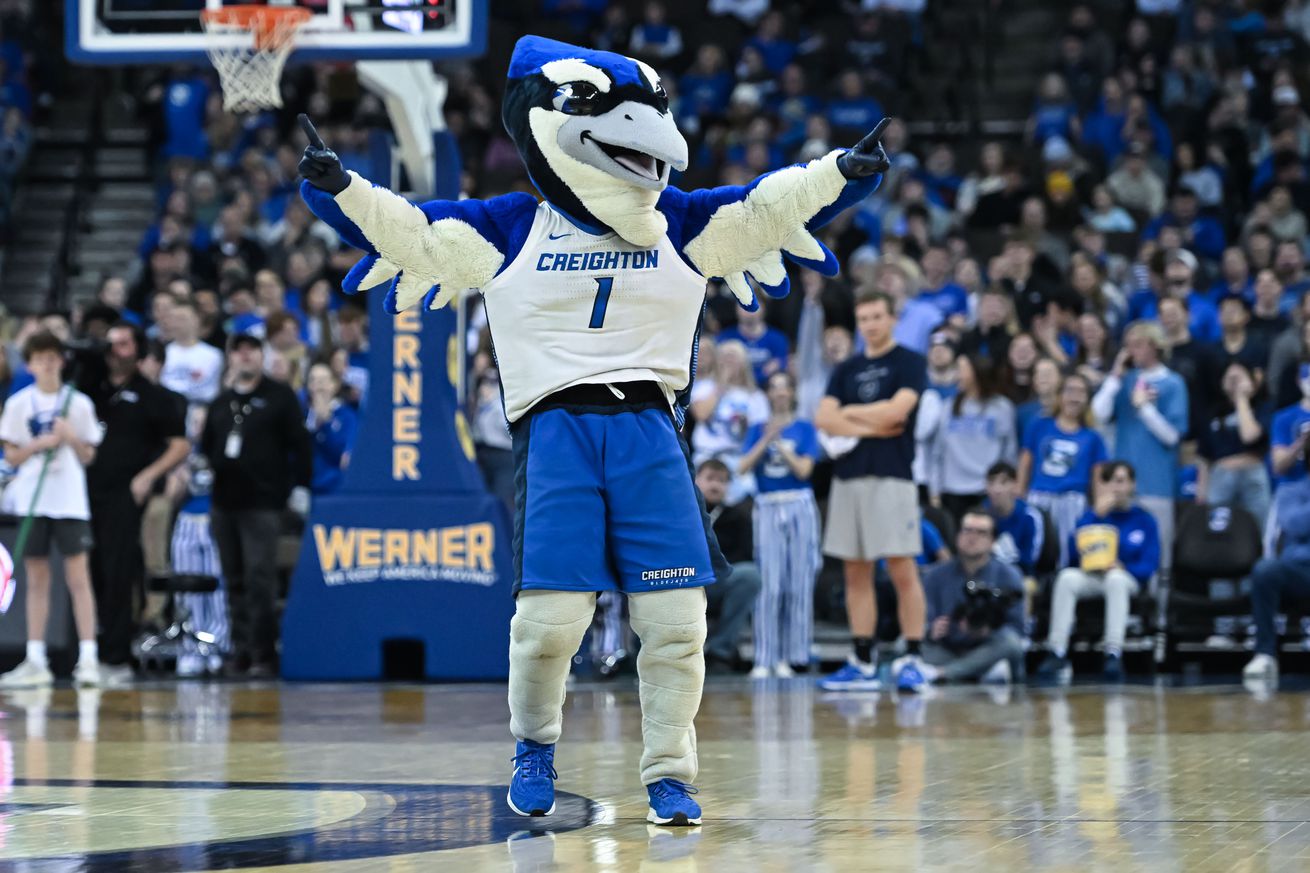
(272, 26)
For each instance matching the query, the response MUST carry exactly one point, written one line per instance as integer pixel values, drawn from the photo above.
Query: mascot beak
(633, 142)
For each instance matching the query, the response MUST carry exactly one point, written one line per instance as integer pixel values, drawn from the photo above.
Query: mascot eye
(662, 96)
(576, 98)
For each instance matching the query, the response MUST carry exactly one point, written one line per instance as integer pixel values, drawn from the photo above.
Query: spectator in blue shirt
(1201, 233)
(1116, 547)
(704, 89)
(852, 110)
(1289, 264)
(766, 346)
(1060, 452)
(1279, 580)
(770, 41)
(1291, 431)
(1149, 408)
(654, 39)
(183, 106)
(1103, 127)
(938, 289)
(1203, 317)
(1234, 276)
(332, 425)
(781, 453)
(1020, 528)
(1055, 113)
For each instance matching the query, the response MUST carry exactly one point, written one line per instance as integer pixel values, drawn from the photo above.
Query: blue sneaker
(909, 674)
(1055, 670)
(671, 804)
(1112, 668)
(532, 789)
(853, 676)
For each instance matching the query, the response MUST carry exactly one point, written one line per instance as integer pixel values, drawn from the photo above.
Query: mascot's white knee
(550, 624)
(670, 623)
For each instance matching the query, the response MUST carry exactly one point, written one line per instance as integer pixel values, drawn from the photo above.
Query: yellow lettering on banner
(452, 359)
(407, 388)
(370, 547)
(465, 437)
(404, 424)
(336, 548)
(452, 547)
(405, 351)
(395, 550)
(404, 462)
(482, 539)
(425, 547)
(408, 321)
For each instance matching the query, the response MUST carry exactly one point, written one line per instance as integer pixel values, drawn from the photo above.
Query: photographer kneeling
(975, 610)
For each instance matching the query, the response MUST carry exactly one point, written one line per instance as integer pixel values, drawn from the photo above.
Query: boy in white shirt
(191, 368)
(51, 419)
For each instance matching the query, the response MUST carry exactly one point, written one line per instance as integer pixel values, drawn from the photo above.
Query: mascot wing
(735, 232)
(436, 251)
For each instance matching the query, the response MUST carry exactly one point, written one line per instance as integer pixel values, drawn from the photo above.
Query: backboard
(165, 31)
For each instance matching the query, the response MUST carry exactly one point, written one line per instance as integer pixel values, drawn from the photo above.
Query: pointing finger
(308, 127)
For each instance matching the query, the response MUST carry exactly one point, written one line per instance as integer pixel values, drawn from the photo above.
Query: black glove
(320, 165)
(866, 158)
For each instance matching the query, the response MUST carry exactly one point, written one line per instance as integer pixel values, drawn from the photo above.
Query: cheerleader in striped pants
(1059, 455)
(781, 453)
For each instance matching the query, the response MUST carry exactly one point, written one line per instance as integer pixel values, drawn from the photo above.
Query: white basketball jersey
(575, 308)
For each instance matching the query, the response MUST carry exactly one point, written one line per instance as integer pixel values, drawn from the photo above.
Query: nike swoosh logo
(559, 235)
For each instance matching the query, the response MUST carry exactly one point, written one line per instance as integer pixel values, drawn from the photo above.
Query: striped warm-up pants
(787, 554)
(1064, 508)
(194, 553)
(609, 630)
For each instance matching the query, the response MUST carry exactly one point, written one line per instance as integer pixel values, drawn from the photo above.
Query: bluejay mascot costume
(594, 299)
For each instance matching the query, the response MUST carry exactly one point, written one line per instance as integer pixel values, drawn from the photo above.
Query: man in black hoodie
(732, 600)
(261, 455)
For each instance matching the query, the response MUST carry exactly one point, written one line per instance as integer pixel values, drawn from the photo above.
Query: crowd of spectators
(1124, 282)
(22, 88)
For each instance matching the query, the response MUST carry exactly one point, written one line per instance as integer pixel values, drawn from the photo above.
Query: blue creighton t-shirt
(772, 472)
(1062, 461)
(862, 379)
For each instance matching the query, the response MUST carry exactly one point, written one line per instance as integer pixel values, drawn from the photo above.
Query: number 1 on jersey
(603, 286)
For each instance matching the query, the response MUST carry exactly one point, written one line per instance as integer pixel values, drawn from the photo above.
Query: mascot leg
(544, 635)
(671, 668)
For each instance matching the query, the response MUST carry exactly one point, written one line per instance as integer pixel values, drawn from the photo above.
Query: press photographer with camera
(975, 610)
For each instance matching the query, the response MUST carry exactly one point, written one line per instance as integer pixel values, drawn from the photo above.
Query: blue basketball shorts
(606, 500)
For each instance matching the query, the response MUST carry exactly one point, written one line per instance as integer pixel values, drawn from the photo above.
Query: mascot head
(595, 131)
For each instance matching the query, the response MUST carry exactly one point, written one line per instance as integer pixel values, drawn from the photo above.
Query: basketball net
(251, 70)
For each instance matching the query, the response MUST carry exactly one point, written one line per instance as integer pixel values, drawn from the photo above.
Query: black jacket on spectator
(139, 417)
(994, 344)
(735, 530)
(1199, 365)
(276, 453)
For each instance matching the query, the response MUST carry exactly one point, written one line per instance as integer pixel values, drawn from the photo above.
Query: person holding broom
(50, 434)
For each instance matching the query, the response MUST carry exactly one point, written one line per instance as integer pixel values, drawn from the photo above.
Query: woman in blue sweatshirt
(1116, 550)
(332, 424)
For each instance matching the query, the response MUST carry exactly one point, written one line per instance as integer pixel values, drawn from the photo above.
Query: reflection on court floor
(195, 776)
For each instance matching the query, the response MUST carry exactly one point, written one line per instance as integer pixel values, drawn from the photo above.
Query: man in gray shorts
(873, 509)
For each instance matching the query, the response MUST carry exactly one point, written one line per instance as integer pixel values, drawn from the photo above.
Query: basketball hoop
(250, 70)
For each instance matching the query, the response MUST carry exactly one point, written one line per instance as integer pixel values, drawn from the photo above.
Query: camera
(983, 607)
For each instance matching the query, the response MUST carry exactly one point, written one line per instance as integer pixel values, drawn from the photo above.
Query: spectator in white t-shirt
(725, 405)
(191, 368)
(50, 434)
